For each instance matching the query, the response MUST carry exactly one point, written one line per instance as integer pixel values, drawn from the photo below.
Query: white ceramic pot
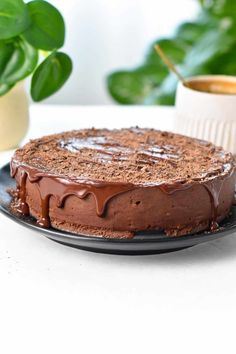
(208, 116)
(14, 117)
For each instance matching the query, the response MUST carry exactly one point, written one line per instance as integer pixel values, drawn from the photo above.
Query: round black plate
(142, 243)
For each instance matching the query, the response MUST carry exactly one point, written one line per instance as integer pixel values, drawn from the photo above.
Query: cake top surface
(135, 155)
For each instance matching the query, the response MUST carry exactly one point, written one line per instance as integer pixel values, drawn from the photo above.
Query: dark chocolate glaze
(213, 188)
(21, 190)
(60, 187)
(51, 185)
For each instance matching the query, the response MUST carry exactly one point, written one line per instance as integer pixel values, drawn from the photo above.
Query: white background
(106, 35)
(55, 299)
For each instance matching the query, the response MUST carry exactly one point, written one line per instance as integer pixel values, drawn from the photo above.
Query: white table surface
(56, 299)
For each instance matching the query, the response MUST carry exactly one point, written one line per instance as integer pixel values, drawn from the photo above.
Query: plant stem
(169, 64)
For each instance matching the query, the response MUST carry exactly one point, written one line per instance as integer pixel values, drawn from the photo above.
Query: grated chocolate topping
(135, 155)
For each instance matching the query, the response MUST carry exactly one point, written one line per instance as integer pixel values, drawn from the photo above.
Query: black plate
(142, 243)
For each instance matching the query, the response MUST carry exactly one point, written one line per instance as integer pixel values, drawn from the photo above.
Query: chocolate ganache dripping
(52, 185)
(213, 189)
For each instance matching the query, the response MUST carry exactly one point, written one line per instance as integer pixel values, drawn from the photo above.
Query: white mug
(206, 115)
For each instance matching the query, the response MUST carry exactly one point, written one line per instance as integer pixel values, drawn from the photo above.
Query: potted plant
(26, 31)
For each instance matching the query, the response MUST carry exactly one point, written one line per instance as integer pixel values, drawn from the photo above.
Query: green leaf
(212, 44)
(150, 75)
(50, 76)
(174, 49)
(4, 88)
(220, 8)
(127, 87)
(18, 59)
(219, 15)
(165, 93)
(190, 32)
(47, 30)
(225, 63)
(131, 87)
(14, 18)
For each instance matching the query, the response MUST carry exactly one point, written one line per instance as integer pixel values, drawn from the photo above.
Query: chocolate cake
(112, 183)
